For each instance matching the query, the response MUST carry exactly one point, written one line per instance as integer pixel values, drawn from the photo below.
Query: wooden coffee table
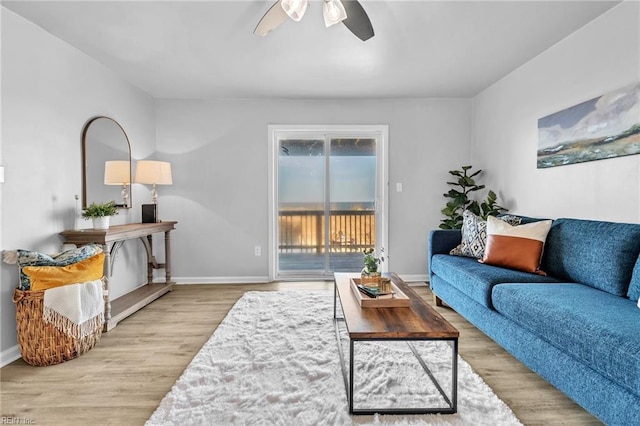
(419, 322)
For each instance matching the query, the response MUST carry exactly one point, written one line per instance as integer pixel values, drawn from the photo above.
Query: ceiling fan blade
(271, 20)
(357, 20)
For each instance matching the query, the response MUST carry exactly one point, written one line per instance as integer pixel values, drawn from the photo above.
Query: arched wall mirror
(106, 163)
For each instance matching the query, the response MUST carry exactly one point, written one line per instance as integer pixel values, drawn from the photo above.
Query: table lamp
(153, 173)
(118, 173)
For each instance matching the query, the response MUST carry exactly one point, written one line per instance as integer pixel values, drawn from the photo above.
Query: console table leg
(167, 256)
(150, 259)
(107, 278)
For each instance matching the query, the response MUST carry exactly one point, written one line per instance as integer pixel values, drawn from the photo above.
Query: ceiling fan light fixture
(333, 11)
(295, 8)
(349, 12)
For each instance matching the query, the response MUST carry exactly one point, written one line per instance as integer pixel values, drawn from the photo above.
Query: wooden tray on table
(397, 299)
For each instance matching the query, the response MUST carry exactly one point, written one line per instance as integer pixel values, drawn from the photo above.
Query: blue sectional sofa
(578, 327)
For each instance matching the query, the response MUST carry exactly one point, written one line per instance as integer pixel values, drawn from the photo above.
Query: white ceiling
(207, 49)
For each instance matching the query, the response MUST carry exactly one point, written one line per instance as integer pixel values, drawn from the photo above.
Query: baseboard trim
(414, 278)
(218, 280)
(264, 279)
(10, 355)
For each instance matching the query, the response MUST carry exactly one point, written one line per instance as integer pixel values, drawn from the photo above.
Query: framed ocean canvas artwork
(604, 127)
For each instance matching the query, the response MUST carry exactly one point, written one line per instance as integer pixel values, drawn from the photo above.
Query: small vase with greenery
(100, 213)
(463, 186)
(370, 276)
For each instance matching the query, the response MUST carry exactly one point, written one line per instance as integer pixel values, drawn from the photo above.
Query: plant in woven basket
(464, 185)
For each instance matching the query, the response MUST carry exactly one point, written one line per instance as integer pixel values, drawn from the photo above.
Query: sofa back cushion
(634, 287)
(599, 254)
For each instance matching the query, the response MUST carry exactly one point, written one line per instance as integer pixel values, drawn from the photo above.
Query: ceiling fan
(349, 12)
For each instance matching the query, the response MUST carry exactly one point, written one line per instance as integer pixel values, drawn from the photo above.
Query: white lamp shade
(153, 172)
(117, 173)
(295, 8)
(333, 11)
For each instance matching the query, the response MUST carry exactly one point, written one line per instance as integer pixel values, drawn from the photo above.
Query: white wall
(218, 151)
(49, 91)
(600, 57)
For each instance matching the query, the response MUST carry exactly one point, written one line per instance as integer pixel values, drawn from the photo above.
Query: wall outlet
(257, 250)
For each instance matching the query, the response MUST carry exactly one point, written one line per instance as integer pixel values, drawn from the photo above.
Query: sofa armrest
(442, 241)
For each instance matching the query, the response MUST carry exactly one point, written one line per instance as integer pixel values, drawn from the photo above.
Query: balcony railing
(350, 231)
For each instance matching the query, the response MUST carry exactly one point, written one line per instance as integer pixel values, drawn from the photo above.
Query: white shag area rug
(274, 361)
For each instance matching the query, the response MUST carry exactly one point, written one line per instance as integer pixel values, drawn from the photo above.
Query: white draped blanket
(274, 361)
(74, 308)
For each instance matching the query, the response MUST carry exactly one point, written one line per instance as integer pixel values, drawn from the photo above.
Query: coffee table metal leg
(454, 379)
(335, 297)
(342, 363)
(351, 376)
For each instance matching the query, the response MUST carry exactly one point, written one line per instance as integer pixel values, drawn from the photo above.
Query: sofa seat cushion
(476, 279)
(595, 327)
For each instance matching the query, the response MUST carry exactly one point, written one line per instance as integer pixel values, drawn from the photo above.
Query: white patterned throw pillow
(474, 234)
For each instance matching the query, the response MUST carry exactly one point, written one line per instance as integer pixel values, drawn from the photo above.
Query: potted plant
(100, 213)
(464, 184)
(370, 276)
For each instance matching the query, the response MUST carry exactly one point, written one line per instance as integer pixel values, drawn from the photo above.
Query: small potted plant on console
(100, 214)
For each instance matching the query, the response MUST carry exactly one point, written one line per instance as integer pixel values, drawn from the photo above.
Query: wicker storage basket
(40, 342)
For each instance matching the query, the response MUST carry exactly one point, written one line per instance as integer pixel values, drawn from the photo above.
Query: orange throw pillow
(516, 247)
(44, 277)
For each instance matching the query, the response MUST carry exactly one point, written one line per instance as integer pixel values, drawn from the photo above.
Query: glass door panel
(352, 204)
(301, 206)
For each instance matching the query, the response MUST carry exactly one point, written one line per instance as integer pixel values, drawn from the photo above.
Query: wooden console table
(111, 240)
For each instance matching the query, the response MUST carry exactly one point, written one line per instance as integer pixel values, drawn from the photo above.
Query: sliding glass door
(327, 199)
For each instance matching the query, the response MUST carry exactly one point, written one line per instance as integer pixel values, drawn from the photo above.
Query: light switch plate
(1, 174)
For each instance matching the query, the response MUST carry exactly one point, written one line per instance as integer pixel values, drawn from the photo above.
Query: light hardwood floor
(122, 380)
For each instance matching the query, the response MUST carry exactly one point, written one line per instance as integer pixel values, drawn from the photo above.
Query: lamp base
(149, 213)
